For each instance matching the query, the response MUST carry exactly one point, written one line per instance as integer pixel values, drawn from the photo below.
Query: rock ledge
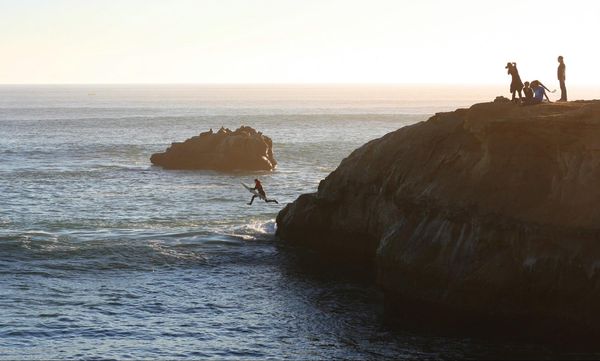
(491, 212)
(244, 149)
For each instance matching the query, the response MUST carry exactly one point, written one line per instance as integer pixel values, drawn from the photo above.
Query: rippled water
(104, 256)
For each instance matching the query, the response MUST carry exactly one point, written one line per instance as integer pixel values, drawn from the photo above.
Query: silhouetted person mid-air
(258, 187)
(516, 84)
(561, 79)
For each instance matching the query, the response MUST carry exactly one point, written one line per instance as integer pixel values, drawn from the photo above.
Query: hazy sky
(296, 41)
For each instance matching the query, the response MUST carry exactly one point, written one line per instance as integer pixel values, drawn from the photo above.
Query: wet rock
(243, 149)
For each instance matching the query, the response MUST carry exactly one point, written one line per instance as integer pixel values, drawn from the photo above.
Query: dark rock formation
(487, 213)
(243, 149)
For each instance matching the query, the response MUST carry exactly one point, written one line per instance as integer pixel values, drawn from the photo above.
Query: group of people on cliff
(535, 92)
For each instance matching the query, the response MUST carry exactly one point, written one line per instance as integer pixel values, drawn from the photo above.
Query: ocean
(103, 256)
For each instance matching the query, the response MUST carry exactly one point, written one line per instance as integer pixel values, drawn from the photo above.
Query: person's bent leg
(271, 201)
(252, 200)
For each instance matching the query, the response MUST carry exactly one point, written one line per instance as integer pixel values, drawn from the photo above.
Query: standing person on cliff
(516, 85)
(561, 79)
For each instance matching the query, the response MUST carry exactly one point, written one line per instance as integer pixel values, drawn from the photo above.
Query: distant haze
(289, 41)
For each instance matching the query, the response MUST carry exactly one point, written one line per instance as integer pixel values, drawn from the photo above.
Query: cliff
(486, 213)
(226, 150)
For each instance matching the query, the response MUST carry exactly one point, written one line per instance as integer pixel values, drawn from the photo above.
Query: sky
(296, 41)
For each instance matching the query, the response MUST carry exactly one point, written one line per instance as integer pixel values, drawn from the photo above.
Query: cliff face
(493, 211)
(225, 150)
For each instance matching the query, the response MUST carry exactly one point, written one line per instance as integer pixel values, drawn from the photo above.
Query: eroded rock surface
(491, 211)
(243, 149)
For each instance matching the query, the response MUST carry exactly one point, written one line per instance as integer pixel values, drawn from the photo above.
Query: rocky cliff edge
(491, 212)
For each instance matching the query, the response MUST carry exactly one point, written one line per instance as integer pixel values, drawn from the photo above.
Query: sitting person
(528, 94)
(539, 92)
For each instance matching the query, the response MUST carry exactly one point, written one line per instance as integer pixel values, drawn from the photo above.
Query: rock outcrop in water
(490, 213)
(243, 149)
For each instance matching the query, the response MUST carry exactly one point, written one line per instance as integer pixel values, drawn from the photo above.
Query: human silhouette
(539, 92)
(516, 85)
(258, 187)
(528, 94)
(561, 79)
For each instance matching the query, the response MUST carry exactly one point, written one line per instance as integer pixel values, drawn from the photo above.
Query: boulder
(244, 149)
(481, 214)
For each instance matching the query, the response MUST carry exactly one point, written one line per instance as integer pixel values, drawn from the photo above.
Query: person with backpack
(516, 85)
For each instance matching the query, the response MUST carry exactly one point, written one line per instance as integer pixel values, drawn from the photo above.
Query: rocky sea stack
(481, 215)
(244, 149)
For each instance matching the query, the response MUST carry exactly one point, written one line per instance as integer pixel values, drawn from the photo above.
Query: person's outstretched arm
(546, 95)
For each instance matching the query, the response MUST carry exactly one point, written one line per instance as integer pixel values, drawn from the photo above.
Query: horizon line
(265, 84)
(281, 84)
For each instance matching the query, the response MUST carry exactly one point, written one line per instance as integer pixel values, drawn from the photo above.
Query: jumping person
(561, 79)
(516, 85)
(258, 187)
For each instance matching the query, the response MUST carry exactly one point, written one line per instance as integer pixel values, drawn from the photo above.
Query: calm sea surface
(104, 256)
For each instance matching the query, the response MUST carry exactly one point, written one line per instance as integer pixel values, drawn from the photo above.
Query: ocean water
(104, 256)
